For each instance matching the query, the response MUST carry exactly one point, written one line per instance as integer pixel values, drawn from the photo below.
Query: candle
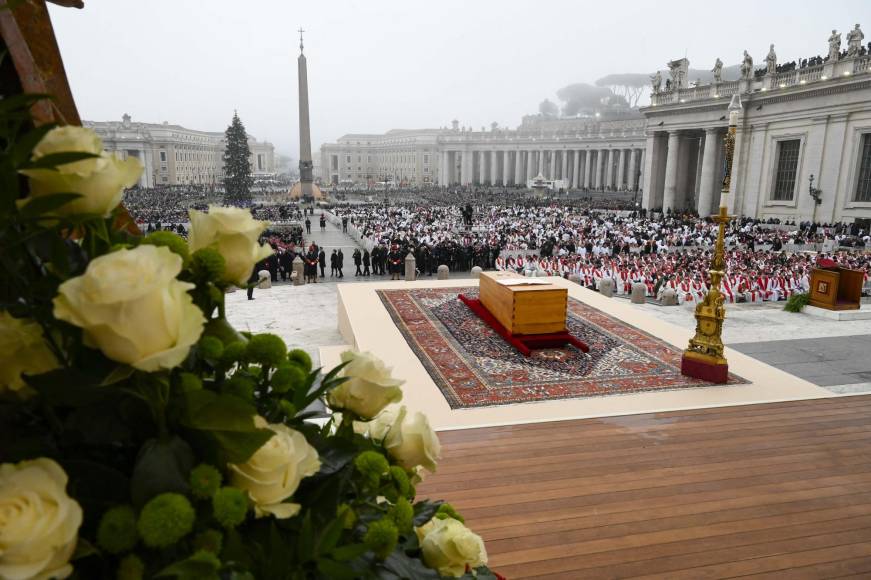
(723, 198)
(733, 118)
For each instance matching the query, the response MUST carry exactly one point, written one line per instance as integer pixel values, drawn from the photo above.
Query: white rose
(101, 180)
(369, 387)
(39, 522)
(412, 442)
(132, 308)
(273, 473)
(378, 427)
(448, 546)
(23, 351)
(234, 233)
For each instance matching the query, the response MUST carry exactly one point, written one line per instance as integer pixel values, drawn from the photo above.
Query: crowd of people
(583, 238)
(671, 251)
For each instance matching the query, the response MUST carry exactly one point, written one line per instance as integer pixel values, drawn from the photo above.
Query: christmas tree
(237, 169)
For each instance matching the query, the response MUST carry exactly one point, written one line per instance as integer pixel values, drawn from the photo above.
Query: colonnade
(684, 170)
(612, 168)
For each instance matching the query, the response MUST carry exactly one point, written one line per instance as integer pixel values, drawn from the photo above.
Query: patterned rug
(474, 367)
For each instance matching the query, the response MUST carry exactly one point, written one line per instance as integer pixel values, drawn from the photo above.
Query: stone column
(600, 154)
(506, 168)
(576, 173)
(633, 173)
(518, 167)
(541, 162)
(494, 167)
(671, 161)
(565, 171)
(621, 169)
(709, 170)
(554, 168)
(609, 168)
(530, 165)
(467, 168)
(588, 167)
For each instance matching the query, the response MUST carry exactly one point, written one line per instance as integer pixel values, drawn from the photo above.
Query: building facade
(803, 125)
(809, 126)
(175, 155)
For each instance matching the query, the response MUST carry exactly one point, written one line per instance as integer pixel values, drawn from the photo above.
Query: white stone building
(813, 121)
(175, 155)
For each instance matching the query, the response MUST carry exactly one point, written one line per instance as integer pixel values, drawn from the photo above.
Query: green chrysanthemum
(287, 408)
(266, 349)
(175, 243)
(233, 353)
(301, 358)
(240, 386)
(287, 377)
(381, 537)
(205, 481)
(446, 510)
(130, 568)
(347, 514)
(117, 530)
(210, 348)
(402, 515)
(372, 465)
(208, 263)
(400, 479)
(230, 506)
(165, 520)
(188, 382)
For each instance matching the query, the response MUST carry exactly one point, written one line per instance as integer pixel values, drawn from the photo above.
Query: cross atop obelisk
(305, 145)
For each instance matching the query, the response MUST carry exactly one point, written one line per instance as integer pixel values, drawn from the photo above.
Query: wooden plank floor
(781, 490)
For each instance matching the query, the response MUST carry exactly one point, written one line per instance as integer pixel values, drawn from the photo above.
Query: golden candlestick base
(703, 358)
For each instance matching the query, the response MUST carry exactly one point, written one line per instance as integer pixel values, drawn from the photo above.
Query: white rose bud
(39, 522)
(378, 427)
(448, 546)
(101, 180)
(369, 387)
(412, 442)
(23, 351)
(132, 308)
(273, 473)
(234, 233)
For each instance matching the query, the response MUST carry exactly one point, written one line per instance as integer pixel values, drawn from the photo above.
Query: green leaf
(305, 545)
(239, 447)
(210, 411)
(84, 548)
(23, 149)
(330, 536)
(117, 375)
(162, 466)
(425, 510)
(404, 566)
(336, 570)
(53, 160)
(349, 552)
(190, 569)
(39, 206)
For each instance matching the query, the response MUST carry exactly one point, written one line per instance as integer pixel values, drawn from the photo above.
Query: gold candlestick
(703, 358)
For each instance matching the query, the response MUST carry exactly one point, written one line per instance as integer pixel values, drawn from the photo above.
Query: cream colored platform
(366, 325)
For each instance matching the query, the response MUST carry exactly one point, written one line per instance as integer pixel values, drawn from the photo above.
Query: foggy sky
(379, 65)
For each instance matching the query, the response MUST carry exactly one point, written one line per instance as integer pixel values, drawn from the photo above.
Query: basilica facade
(802, 152)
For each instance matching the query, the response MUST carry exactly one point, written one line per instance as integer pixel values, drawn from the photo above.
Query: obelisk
(305, 144)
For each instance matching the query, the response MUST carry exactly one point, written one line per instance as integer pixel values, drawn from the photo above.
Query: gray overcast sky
(376, 65)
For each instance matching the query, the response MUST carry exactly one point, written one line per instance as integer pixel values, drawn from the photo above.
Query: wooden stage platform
(779, 490)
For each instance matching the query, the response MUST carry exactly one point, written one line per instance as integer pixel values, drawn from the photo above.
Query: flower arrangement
(141, 436)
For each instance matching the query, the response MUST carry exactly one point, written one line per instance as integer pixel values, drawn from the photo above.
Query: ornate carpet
(474, 367)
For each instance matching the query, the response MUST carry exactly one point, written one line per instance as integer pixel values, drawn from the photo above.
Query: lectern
(836, 288)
